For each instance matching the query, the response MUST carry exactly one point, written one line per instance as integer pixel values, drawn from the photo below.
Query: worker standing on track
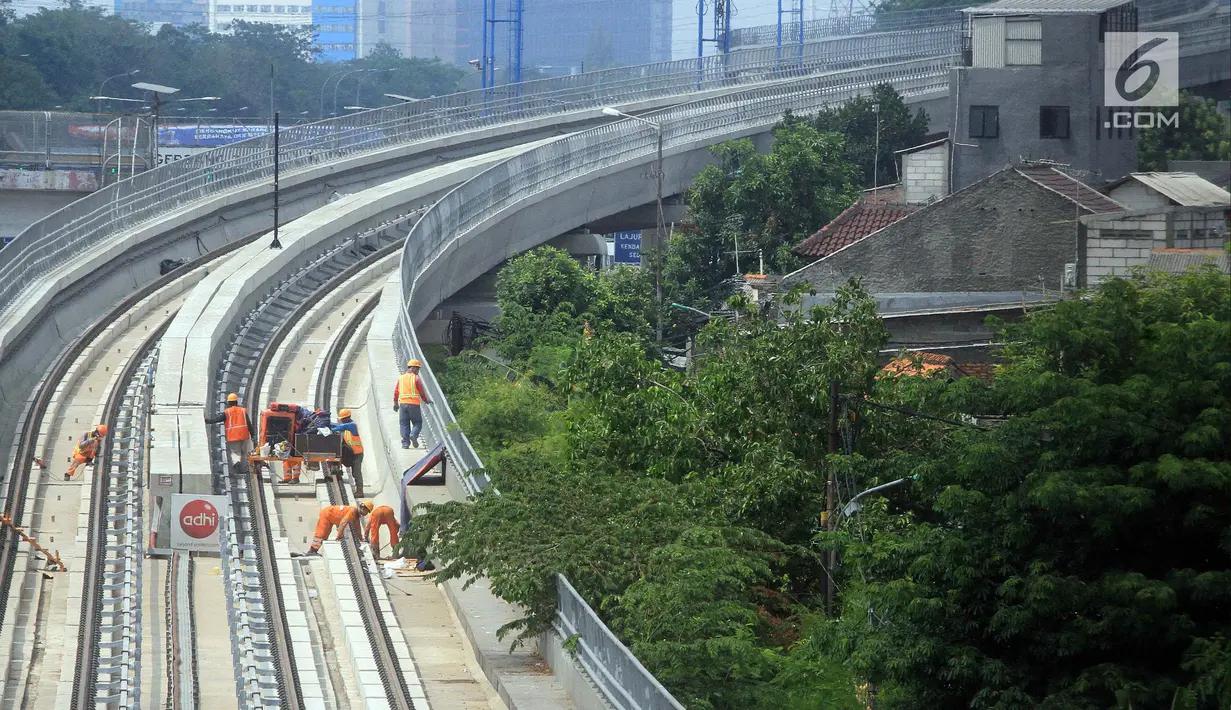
(85, 450)
(352, 453)
(238, 430)
(381, 517)
(339, 516)
(408, 395)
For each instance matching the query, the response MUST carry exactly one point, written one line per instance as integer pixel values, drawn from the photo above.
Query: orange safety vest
(339, 515)
(87, 447)
(408, 389)
(383, 515)
(353, 441)
(237, 424)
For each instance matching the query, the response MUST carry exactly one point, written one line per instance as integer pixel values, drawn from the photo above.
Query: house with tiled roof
(925, 178)
(1012, 236)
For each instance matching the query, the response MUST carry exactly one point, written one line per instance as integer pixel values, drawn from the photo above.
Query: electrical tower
(850, 8)
(514, 41)
(722, 26)
(791, 25)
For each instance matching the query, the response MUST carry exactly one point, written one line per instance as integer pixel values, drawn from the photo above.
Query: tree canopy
(857, 120)
(1203, 134)
(1078, 556)
(61, 57)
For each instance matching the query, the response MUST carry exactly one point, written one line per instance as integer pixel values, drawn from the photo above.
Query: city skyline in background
(559, 36)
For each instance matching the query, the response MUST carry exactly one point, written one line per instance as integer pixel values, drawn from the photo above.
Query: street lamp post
(658, 245)
(117, 76)
(359, 81)
(335, 86)
(326, 84)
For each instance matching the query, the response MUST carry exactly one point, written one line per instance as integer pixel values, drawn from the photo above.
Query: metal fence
(128, 203)
(431, 256)
(45, 139)
(860, 24)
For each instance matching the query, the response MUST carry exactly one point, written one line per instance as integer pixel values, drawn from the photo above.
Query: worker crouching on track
(86, 450)
(382, 517)
(339, 516)
(408, 395)
(352, 453)
(238, 430)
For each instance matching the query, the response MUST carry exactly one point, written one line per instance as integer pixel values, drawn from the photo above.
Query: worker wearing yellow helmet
(85, 450)
(352, 452)
(408, 395)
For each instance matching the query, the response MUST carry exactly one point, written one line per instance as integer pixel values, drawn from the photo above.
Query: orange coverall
(339, 516)
(383, 516)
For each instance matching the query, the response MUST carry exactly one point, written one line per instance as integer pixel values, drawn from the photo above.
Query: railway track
(244, 370)
(107, 661)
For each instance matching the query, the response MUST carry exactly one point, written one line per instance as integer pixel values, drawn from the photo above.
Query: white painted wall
(1137, 196)
(926, 173)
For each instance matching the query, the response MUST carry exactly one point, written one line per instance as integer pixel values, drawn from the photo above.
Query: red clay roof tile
(1071, 187)
(874, 211)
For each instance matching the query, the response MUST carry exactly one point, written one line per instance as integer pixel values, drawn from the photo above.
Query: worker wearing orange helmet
(381, 517)
(337, 516)
(85, 450)
(352, 452)
(408, 395)
(238, 430)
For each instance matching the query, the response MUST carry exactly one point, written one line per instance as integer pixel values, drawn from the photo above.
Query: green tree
(767, 202)
(1203, 134)
(857, 120)
(1078, 556)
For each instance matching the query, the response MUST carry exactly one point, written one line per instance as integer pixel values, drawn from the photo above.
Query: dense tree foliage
(767, 202)
(61, 57)
(1203, 134)
(1078, 556)
(857, 120)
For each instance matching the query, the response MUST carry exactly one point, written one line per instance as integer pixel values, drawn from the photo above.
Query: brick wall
(1001, 234)
(1116, 244)
(926, 174)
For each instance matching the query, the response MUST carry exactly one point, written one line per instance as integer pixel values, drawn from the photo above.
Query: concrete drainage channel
(260, 581)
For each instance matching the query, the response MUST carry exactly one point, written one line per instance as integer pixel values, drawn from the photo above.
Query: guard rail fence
(64, 234)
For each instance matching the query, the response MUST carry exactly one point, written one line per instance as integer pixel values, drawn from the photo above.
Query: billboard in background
(170, 155)
(196, 521)
(67, 180)
(628, 247)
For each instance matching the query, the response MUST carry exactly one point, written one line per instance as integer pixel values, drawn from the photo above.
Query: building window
(1023, 42)
(984, 121)
(280, 9)
(267, 8)
(1053, 122)
(380, 8)
(380, 27)
(252, 8)
(224, 8)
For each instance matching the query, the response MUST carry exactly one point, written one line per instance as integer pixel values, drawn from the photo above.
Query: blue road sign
(628, 247)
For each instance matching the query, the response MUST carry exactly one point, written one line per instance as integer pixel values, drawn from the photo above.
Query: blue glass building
(336, 22)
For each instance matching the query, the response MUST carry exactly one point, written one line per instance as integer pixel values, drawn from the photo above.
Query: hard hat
(232, 397)
(102, 429)
(413, 363)
(369, 505)
(343, 413)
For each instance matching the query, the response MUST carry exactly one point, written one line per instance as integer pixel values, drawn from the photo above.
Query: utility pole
(831, 564)
(658, 245)
(276, 244)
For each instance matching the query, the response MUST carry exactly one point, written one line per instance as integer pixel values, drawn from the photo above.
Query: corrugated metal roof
(1046, 7)
(1177, 261)
(1185, 189)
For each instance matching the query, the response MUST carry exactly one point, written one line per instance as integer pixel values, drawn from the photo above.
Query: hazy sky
(747, 13)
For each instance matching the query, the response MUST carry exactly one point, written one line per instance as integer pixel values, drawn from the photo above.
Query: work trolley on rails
(282, 442)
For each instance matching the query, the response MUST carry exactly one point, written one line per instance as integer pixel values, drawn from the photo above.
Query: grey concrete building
(1015, 234)
(383, 22)
(1032, 88)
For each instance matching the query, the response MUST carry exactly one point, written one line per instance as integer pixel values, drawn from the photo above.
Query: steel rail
(387, 662)
(31, 420)
(182, 684)
(89, 632)
(260, 511)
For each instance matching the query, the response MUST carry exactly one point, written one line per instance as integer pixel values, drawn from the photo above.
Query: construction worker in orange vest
(85, 450)
(339, 516)
(408, 395)
(352, 453)
(382, 517)
(238, 430)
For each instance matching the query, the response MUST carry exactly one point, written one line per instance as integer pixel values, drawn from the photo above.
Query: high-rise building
(383, 22)
(336, 29)
(293, 13)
